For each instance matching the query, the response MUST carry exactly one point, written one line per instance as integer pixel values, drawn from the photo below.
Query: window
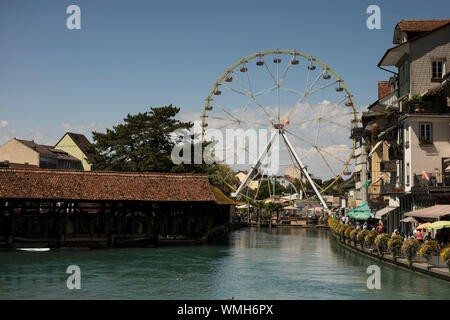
(407, 174)
(425, 133)
(437, 69)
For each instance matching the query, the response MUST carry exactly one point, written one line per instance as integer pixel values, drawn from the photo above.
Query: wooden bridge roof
(44, 184)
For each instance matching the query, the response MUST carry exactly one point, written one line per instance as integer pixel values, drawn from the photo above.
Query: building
(253, 185)
(77, 145)
(30, 153)
(406, 131)
(51, 208)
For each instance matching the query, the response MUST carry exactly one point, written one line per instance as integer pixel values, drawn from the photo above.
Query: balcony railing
(437, 179)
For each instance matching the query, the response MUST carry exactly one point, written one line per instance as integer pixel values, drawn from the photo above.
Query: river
(279, 263)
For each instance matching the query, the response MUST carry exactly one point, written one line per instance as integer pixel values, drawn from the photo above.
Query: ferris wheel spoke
(285, 72)
(278, 89)
(336, 123)
(322, 87)
(265, 91)
(247, 90)
(338, 104)
(332, 155)
(300, 138)
(248, 93)
(244, 109)
(236, 90)
(306, 93)
(326, 162)
(270, 72)
(224, 110)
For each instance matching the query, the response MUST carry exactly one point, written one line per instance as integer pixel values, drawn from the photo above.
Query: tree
(142, 143)
(222, 176)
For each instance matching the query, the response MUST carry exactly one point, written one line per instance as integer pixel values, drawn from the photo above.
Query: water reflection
(277, 263)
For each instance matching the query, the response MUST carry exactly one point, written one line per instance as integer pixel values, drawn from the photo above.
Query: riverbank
(417, 266)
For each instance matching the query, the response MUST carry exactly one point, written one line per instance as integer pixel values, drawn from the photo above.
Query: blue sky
(131, 55)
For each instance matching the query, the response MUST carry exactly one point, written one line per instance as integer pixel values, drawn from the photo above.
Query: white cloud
(3, 123)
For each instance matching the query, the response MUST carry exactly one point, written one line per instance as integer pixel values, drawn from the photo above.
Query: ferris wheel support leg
(305, 172)
(256, 166)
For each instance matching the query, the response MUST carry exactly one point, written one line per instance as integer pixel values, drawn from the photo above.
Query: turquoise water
(283, 263)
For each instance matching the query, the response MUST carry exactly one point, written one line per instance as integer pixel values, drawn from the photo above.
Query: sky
(129, 56)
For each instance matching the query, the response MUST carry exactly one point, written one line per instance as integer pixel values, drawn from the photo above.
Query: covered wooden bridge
(54, 208)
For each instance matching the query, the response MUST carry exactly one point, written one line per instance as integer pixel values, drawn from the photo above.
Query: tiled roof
(96, 186)
(421, 25)
(417, 28)
(60, 154)
(81, 141)
(13, 165)
(37, 147)
(48, 151)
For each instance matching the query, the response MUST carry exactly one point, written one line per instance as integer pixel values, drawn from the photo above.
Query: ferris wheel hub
(279, 126)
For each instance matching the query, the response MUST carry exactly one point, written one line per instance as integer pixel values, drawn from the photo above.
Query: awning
(431, 212)
(423, 226)
(291, 208)
(409, 219)
(360, 213)
(439, 225)
(384, 211)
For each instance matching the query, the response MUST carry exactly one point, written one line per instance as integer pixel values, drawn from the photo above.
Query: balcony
(357, 133)
(388, 166)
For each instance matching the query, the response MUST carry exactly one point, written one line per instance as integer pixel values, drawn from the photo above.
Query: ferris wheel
(299, 100)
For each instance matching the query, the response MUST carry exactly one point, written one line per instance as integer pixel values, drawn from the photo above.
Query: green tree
(142, 143)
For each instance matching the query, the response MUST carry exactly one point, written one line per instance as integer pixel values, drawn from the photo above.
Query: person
(428, 236)
(365, 225)
(380, 228)
(395, 232)
(419, 235)
(358, 226)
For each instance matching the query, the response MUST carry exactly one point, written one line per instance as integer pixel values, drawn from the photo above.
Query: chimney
(383, 89)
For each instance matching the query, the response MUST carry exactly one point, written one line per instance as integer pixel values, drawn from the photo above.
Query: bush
(370, 238)
(428, 248)
(360, 237)
(445, 256)
(353, 234)
(395, 244)
(381, 243)
(410, 248)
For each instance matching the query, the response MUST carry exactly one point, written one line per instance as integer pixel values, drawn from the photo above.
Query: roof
(13, 165)
(81, 141)
(417, 26)
(384, 211)
(221, 198)
(392, 55)
(96, 186)
(36, 147)
(48, 151)
(430, 212)
(60, 154)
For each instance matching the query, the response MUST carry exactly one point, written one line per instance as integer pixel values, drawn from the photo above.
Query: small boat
(34, 249)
